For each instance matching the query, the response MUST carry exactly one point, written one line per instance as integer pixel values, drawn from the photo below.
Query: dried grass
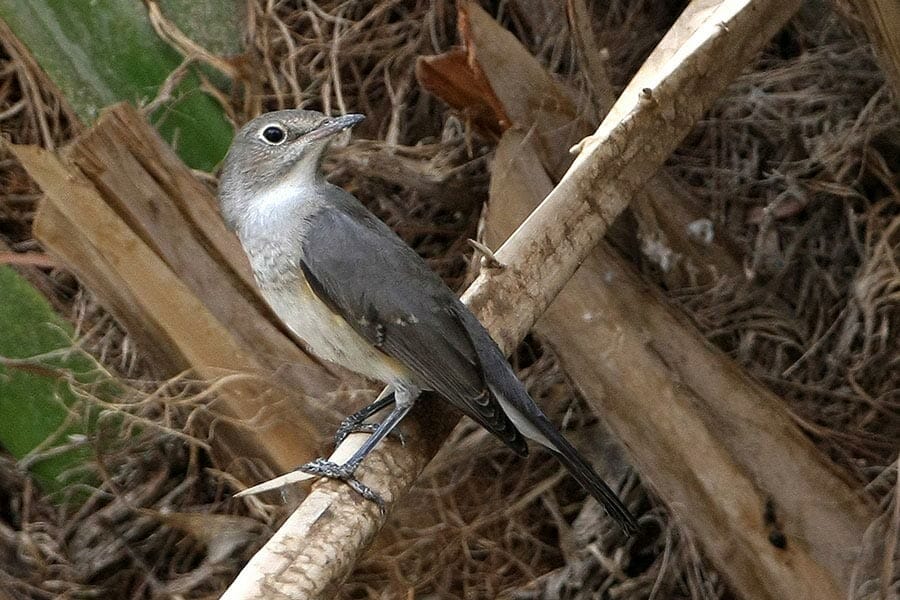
(796, 166)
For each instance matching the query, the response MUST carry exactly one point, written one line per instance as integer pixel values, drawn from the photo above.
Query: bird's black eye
(274, 134)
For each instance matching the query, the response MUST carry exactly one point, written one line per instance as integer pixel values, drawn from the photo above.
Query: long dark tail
(588, 477)
(532, 423)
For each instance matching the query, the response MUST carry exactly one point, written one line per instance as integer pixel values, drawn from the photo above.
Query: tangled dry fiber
(795, 166)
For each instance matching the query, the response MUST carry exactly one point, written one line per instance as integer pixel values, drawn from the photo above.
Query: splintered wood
(124, 214)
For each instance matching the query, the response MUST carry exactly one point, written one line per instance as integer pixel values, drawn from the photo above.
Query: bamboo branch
(690, 67)
(318, 545)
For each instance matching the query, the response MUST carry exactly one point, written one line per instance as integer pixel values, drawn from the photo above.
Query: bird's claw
(349, 426)
(345, 473)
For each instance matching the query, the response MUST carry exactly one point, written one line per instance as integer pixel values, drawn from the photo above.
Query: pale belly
(329, 336)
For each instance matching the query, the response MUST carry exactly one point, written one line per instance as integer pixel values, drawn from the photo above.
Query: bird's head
(272, 154)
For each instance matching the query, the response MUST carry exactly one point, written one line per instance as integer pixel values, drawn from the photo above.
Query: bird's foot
(345, 473)
(349, 426)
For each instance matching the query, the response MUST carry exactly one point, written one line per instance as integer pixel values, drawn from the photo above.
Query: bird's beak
(332, 126)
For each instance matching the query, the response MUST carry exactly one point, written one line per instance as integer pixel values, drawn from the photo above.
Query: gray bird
(358, 296)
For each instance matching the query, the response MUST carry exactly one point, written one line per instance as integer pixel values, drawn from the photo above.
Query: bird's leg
(404, 399)
(355, 422)
(332, 470)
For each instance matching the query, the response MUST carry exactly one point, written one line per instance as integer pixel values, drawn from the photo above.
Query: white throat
(276, 203)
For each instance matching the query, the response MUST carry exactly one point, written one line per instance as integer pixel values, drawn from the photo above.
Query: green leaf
(99, 52)
(35, 401)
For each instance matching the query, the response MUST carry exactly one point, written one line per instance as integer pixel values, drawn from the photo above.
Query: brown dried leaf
(459, 82)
